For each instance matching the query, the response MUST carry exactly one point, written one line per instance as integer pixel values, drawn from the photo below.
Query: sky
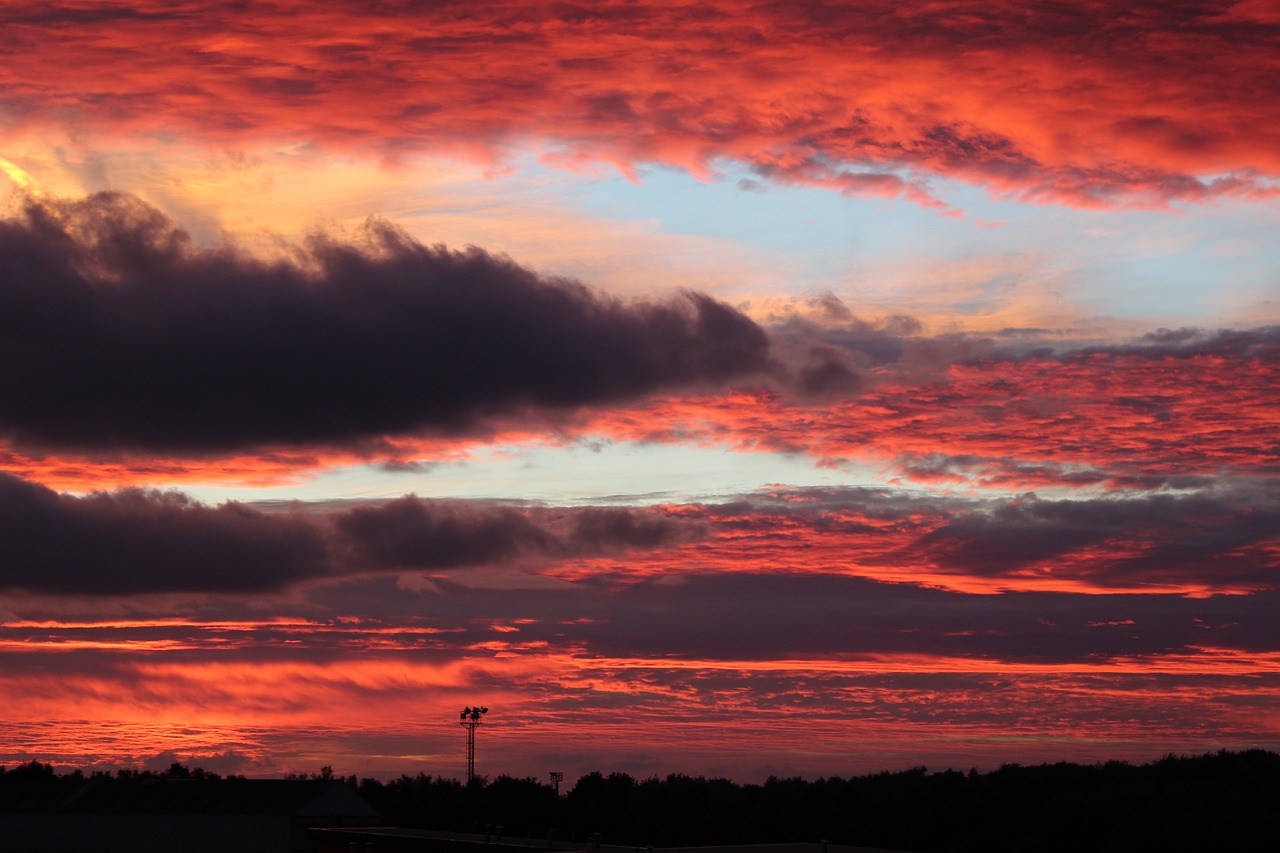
(724, 388)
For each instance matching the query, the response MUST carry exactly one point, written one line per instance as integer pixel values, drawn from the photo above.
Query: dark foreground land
(1222, 801)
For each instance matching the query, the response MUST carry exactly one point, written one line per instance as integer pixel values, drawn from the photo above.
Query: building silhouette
(181, 816)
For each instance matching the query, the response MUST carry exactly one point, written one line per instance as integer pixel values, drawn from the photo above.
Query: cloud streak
(1218, 540)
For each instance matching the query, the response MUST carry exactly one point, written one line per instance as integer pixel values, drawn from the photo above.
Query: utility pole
(469, 719)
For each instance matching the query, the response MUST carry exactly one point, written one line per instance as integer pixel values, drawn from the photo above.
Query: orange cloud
(810, 716)
(1068, 103)
(1192, 545)
(792, 671)
(1105, 417)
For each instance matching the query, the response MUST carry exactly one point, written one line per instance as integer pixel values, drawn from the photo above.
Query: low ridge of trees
(1224, 800)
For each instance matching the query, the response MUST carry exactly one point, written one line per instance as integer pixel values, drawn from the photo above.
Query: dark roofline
(106, 795)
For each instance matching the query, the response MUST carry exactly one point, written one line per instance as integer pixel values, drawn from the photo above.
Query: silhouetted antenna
(470, 718)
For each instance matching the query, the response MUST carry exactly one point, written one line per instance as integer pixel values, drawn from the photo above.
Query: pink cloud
(1069, 103)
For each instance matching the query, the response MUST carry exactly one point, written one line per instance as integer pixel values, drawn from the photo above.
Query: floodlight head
(484, 710)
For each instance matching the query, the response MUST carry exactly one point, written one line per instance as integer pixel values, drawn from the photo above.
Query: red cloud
(1191, 545)
(1114, 417)
(807, 715)
(1075, 103)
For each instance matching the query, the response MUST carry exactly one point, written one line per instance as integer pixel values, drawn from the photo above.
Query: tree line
(1217, 801)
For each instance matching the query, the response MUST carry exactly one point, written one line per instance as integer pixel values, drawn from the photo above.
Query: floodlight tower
(556, 778)
(470, 718)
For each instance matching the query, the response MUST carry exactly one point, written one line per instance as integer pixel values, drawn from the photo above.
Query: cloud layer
(1169, 410)
(138, 541)
(1065, 103)
(839, 671)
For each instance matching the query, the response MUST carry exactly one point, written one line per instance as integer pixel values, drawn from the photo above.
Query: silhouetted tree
(1227, 800)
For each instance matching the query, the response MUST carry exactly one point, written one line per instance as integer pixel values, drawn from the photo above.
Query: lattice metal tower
(556, 778)
(470, 718)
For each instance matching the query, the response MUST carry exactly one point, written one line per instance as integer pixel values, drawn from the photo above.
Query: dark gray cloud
(1221, 540)
(411, 533)
(117, 333)
(824, 352)
(792, 616)
(133, 541)
(822, 330)
(732, 617)
(989, 470)
(1240, 345)
(140, 541)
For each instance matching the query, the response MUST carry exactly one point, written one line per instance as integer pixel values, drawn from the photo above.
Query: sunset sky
(728, 388)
